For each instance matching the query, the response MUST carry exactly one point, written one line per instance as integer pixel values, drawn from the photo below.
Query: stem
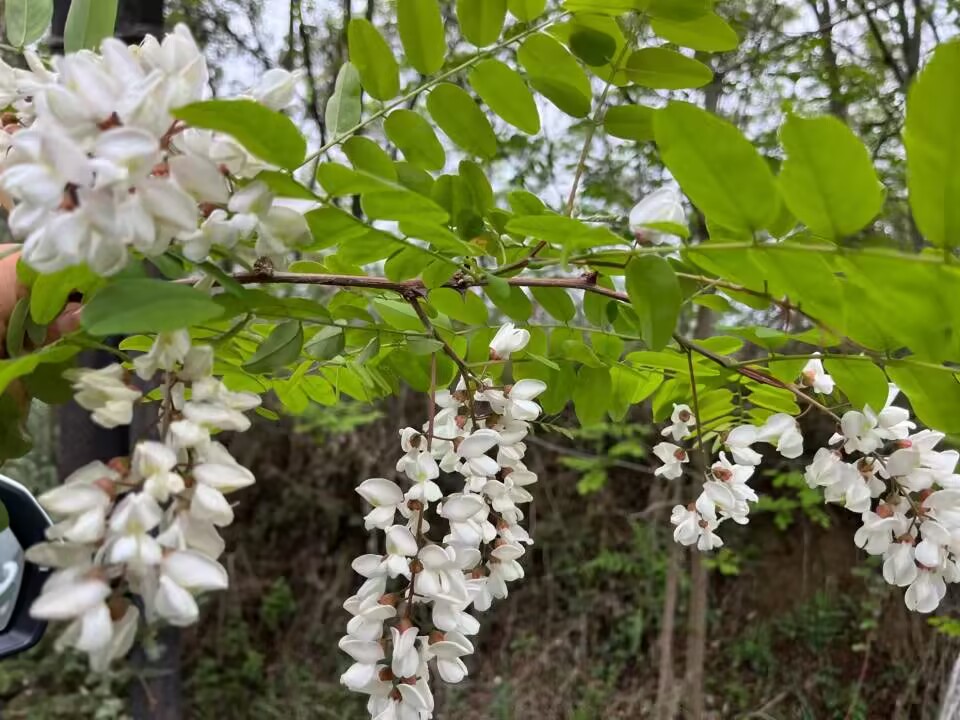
(581, 163)
(450, 352)
(432, 407)
(754, 375)
(696, 411)
(404, 99)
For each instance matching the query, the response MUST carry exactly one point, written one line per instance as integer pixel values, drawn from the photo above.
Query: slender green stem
(581, 162)
(404, 99)
(696, 412)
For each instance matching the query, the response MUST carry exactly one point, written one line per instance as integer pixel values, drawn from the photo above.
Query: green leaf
(514, 303)
(663, 69)
(409, 262)
(555, 74)
(481, 20)
(88, 23)
(709, 33)
(593, 46)
(22, 366)
(344, 106)
(681, 10)
(27, 20)
(421, 32)
(717, 167)
(16, 327)
(861, 381)
(50, 292)
(268, 134)
(14, 441)
(562, 230)
(606, 7)
(125, 307)
(326, 344)
(555, 301)
(527, 10)
(933, 147)
(4, 515)
(467, 307)
(332, 226)
(379, 71)
(281, 348)
(934, 394)
(415, 138)
(462, 120)
(828, 180)
(629, 122)
(339, 180)
(402, 205)
(591, 394)
(655, 295)
(284, 185)
(364, 154)
(507, 95)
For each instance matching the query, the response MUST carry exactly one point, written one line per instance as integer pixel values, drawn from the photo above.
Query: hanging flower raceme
(450, 545)
(98, 166)
(147, 525)
(906, 492)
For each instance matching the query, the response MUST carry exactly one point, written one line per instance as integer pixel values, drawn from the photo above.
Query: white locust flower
(79, 595)
(277, 88)
(652, 216)
(681, 420)
(168, 351)
(105, 394)
(673, 457)
(184, 574)
(814, 376)
(509, 339)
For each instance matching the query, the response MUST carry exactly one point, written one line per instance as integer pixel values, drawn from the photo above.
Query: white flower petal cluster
(98, 166)
(726, 493)
(147, 525)
(446, 550)
(906, 492)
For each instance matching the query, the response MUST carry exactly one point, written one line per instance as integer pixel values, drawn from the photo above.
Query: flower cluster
(412, 610)
(906, 492)
(97, 164)
(146, 526)
(726, 492)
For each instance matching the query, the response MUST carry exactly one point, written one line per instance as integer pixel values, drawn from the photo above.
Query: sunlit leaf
(344, 108)
(27, 20)
(88, 23)
(506, 93)
(421, 32)
(828, 180)
(270, 135)
(462, 120)
(481, 20)
(370, 53)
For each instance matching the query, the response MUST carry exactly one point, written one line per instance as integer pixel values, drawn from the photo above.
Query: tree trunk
(155, 691)
(666, 706)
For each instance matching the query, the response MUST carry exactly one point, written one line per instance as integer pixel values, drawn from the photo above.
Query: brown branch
(412, 290)
(753, 374)
(412, 298)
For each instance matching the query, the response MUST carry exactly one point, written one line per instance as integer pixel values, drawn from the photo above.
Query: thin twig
(450, 352)
(755, 375)
(696, 409)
